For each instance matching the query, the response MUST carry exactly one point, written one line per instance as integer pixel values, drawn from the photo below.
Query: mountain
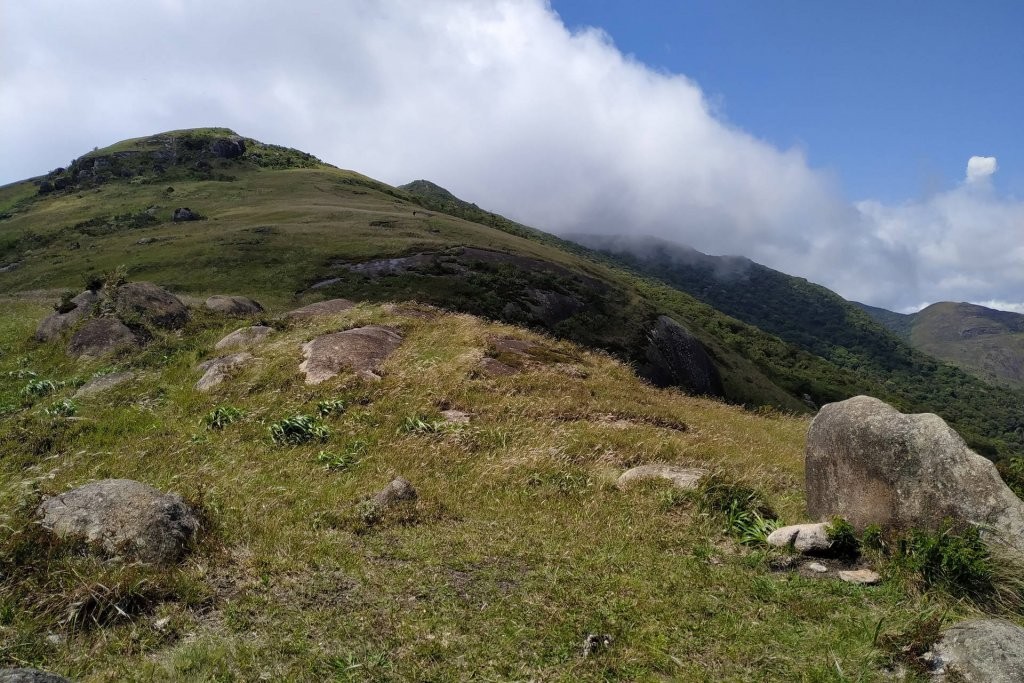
(821, 322)
(982, 341)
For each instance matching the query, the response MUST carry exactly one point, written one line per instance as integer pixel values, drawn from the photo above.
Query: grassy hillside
(820, 321)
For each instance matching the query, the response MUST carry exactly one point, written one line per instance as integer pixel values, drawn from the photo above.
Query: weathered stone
(492, 367)
(870, 464)
(455, 417)
(816, 567)
(989, 650)
(30, 676)
(103, 382)
(100, 336)
(361, 350)
(233, 305)
(805, 538)
(183, 213)
(124, 517)
(864, 577)
(676, 358)
(150, 303)
(52, 325)
(245, 337)
(216, 370)
(685, 478)
(399, 489)
(329, 307)
(228, 148)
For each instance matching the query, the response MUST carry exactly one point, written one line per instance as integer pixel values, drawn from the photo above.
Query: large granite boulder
(150, 303)
(124, 517)
(216, 370)
(674, 357)
(871, 464)
(989, 650)
(52, 325)
(244, 337)
(100, 336)
(360, 350)
(233, 305)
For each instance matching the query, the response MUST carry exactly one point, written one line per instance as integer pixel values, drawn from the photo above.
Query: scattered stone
(145, 240)
(52, 325)
(233, 305)
(151, 303)
(10, 267)
(184, 213)
(216, 370)
(870, 464)
(103, 382)
(123, 516)
(30, 676)
(684, 478)
(809, 539)
(455, 417)
(329, 307)
(863, 577)
(245, 337)
(676, 358)
(100, 336)
(361, 350)
(519, 347)
(595, 643)
(492, 367)
(228, 148)
(990, 650)
(816, 567)
(398, 490)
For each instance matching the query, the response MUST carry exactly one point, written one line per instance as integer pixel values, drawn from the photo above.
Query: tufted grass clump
(222, 416)
(332, 406)
(344, 460)
(63, 408)
(298, 429)
(418, 424)
(745, 514)
(37, 388)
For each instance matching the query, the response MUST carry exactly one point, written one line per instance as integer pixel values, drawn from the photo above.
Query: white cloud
(498, 101)
(980, 168)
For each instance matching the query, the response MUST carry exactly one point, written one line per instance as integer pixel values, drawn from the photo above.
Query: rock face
(150, 303)
(99, 337)
(103, 382)
(676, 358)
(361, 350)
(233, 305)
(683, 478)
(805, 538)
(30, 676)
(52, 325)
(245, 337)
(217, 370)
(124, 517)
(329, 307)
(870, 464)
(399, 489)
(228, 148)
(989, 650)
(184, 213)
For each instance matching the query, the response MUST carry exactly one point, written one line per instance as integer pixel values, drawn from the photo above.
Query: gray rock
(100, 336)
(228, 148)
(233, 305)
(870, 464)
(30, 676)
(988, 650)
(863, 577)
(245, 337)
(685, 478)
(676, 358)
(52, 325)
(182, 214)
(492, 367)
(150, 303)
(216, 370)
(455, 417)
(361, 350)
(810, 539)
(816, 567)
(329, 307)
(399, 489)
(103, 382)
(124, 517)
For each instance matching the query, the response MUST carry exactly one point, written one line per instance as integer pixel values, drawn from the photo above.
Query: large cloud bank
(501, 103)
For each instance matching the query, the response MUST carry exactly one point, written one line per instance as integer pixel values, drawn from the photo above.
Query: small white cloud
(1011, 306)
(979, 168)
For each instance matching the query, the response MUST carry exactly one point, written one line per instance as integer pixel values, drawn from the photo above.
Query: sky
(871, 147)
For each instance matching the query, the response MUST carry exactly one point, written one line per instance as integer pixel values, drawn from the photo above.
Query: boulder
(228, 148)
(863, 577)
(150, 303)
(123, 517)
(870, 464)
(184, 213)
(233, 305)
(361, 350)
(216, 370)
(100, 336)
(103, 382)
(685, 478)
(492, 367)
(52, 325)
(398, 490)
(674, 357)
(30, 676)
(329, 307)
(989, 650)
(810, 539)
(244, 337)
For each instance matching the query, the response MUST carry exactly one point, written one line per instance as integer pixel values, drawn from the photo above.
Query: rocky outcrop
(329, 307)
(674, 357)
(30, 676)
(810, 539)
(104, 382)
(989, 650)
(870, 464)
(100, 336)
(52, 325)
(233, 305)
(124, 517)
(245, 337)
(360, 350)
(183, 214)
(150, 303)
(684, 478)
(216, 370)
(228, 148)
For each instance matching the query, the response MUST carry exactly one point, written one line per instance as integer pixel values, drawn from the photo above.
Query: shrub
(334, 406)
(954, 558)
(872, 538)
(298, 429)
(843, 537)
(39, 387)
(65, 305)
(222, 416)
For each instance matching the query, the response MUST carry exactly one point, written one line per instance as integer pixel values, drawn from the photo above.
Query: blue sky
(893, 96)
